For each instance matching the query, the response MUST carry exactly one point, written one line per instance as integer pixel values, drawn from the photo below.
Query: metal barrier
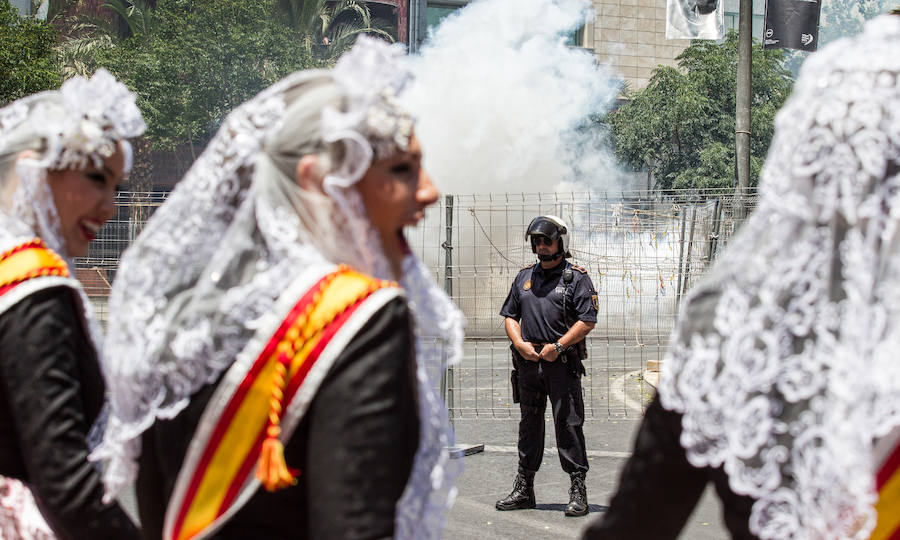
(642, 250)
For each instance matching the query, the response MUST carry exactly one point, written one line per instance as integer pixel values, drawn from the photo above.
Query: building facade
(628, 35)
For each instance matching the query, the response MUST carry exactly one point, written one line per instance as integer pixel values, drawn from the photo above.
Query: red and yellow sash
(250, 419)
(29, 260)
(888, 507)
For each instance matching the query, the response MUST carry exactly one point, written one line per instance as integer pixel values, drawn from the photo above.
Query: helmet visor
(544, 227)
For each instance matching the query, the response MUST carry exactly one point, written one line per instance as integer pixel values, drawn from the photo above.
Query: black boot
(522, 495)
(578, 504)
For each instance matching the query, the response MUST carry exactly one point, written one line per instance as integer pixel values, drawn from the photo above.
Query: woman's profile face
(85, 199)
(396, 190)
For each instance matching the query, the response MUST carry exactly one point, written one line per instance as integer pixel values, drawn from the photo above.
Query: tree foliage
(27, 59)
(192, 61)
(841, 18)
(198, 59)
(681, 126)
(838, 19)
(329, 28)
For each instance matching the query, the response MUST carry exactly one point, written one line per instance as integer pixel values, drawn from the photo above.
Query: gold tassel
(272, 471)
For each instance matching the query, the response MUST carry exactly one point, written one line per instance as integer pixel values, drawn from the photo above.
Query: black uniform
(537, 301)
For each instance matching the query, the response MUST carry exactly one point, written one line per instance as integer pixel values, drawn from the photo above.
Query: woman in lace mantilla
(271, 266)
(783, 372)
(62, 155)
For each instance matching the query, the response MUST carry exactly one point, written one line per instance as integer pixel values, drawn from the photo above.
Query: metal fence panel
(642, 250)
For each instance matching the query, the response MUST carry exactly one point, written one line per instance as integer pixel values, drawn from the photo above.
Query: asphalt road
(488, 476)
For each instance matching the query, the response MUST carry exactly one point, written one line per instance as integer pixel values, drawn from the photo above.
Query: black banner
(792, 24)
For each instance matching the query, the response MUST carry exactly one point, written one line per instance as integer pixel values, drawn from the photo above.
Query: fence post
(680, 258)
(457, 450)
(714, 234)
(447, 244)
(690, 247)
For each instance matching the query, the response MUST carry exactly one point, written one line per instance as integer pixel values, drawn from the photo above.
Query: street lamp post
(742, 107)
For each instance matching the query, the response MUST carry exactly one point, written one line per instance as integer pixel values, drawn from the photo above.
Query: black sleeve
(511, 307)
(658, 488)
(584, 297)
(43, 352)
(363, 432)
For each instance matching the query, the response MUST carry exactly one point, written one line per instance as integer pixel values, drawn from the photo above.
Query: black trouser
(558, 381)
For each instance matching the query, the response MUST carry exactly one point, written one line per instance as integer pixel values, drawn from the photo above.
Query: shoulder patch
(527, 267)
(579, 269)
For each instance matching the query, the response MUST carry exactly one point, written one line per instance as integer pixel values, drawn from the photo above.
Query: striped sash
(29, 260)
(28, 268)
(217, 478)
(887, 481)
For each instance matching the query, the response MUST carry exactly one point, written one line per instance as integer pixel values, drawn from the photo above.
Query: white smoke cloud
(504, 105)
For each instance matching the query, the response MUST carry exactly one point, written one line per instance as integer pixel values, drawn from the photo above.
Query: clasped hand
(534, 352)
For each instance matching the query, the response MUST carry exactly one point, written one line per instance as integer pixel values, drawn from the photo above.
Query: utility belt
(573, 358)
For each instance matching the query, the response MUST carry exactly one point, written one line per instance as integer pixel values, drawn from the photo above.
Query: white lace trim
(784, 360)
(439, 335)
(20, 518)
(82, 121)
(215, 258)
(158, 357)
(373, 121)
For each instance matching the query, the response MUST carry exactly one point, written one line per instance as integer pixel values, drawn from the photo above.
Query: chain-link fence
(642, 250)
(97, 271)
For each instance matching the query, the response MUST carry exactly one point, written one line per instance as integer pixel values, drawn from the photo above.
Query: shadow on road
(559, 507)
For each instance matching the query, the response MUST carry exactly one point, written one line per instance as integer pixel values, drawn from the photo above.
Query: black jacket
(51, 391)
(354, 447)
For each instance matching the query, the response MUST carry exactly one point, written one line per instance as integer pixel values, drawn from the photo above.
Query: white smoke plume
(505, 105)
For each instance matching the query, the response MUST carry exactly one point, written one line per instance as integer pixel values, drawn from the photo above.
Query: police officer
(551, 308)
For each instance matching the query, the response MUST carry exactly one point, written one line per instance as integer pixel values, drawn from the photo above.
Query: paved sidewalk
(488, 476)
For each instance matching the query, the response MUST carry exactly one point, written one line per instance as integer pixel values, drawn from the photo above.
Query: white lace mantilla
(785, 360)
(215, 257)
(82, 122)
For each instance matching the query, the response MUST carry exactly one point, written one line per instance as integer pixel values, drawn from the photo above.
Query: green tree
(89, 34)
(201, 58)
(27, 58)
(841, 18)
(329, 28)
(680, 127)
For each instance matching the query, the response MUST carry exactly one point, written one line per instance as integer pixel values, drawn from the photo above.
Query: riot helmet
(550, 227)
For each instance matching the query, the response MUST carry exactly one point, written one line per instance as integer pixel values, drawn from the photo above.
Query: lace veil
(784, 361)
(234, 233)
(59, 129)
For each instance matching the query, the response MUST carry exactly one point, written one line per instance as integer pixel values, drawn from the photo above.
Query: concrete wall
(630, 35)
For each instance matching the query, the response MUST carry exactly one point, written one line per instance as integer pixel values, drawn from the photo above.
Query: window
(425, 15)
(436, 11)
(575, 38)
(435, 14)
